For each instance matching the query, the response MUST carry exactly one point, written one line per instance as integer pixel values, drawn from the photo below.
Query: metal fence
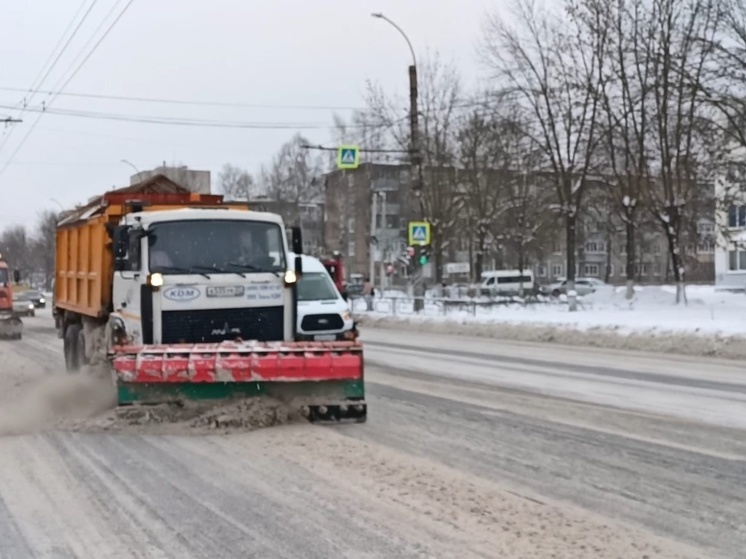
(437, 306)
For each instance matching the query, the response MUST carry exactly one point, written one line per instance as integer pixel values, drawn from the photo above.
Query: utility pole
(417, 178)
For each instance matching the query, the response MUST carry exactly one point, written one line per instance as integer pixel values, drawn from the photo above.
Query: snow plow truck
(187, 296)
(11, 326)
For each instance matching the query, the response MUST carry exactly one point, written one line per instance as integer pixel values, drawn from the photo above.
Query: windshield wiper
(178, 270)
(248, 267)
(252, 268)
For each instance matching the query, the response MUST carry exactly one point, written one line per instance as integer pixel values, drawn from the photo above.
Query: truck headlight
(346, 316)
(290, 277)
(155, 280)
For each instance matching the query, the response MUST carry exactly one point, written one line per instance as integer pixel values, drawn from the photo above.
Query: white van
(504, 282)
(323, 315)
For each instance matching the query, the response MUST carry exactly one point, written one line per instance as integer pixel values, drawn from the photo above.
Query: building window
(541, 271)
(557, 246)
(656, 268)
(706, 247)
(556, 270)
(656, 248)
(594, 247)
(737, 260)
(737, 216)
(351, 225)
(642, 269)
(705, 227)
(591, 270)
(351, 248)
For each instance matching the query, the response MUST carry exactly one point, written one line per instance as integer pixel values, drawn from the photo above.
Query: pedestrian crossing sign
(348, 157)
(419, 233)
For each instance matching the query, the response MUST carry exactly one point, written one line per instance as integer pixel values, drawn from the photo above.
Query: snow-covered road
(472, 449)
(698, 389)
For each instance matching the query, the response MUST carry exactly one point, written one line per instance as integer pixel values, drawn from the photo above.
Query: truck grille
(218, 325)
(319, 322)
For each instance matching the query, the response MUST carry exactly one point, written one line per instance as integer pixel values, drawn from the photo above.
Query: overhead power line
(190, 122)
(61, 89)
(188, 102)
(37, 83)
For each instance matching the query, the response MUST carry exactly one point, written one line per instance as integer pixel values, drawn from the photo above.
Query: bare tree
(482, 176)
(687, 143)
(15, 247)
(628, 118)
(235, 183)
(44, 243)
(293, 178)
(554, 66)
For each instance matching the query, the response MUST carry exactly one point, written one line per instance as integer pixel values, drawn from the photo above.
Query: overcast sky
(286, 53)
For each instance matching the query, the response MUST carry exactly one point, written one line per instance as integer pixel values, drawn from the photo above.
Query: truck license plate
(325, 337)
(225, 291)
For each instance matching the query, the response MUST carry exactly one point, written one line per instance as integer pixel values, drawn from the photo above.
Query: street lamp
(413, 110)
(379, 15)
(137, 171)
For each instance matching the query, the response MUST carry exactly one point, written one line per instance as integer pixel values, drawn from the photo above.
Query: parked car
(583, 286)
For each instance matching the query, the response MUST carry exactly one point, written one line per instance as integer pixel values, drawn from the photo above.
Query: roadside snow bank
(711, 324)
(611, 337)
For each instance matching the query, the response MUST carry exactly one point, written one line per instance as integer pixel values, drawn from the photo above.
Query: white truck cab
(323, 315)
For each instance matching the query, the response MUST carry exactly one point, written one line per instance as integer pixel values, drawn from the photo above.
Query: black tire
(72, 355)
(555, 293)
(82, 359)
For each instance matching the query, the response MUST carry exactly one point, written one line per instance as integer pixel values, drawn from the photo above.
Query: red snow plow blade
(325, 376)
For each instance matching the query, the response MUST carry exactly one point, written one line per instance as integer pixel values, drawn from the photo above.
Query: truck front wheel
(72, 349)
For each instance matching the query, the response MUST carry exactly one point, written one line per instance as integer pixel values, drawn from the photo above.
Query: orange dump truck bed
(84, 263)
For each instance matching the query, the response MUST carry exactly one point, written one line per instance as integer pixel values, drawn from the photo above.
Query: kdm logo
(181, 294)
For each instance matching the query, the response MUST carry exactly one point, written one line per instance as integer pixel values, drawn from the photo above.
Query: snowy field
(712, 323)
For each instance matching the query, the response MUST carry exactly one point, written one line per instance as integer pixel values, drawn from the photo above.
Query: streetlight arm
(401, 31)
(130, 164)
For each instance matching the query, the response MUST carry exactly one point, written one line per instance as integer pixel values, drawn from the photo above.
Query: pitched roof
(157, 184)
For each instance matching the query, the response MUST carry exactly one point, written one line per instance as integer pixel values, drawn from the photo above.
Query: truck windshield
(215, 246)
(316, 286)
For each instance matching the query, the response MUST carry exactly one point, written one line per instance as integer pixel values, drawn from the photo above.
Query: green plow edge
(153, 393)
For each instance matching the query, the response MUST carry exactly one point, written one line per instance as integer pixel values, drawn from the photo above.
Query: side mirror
(345, 296)
(297, 241)
(298, 266)
(120, 247)
(16, 276)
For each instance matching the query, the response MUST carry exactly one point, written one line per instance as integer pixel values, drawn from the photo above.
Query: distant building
(347, 222)
(194, 181)
(309, 215)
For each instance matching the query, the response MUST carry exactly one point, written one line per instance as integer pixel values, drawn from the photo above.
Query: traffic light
(424, 254)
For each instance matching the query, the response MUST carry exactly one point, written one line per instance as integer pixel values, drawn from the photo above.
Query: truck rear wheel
(73, 337)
